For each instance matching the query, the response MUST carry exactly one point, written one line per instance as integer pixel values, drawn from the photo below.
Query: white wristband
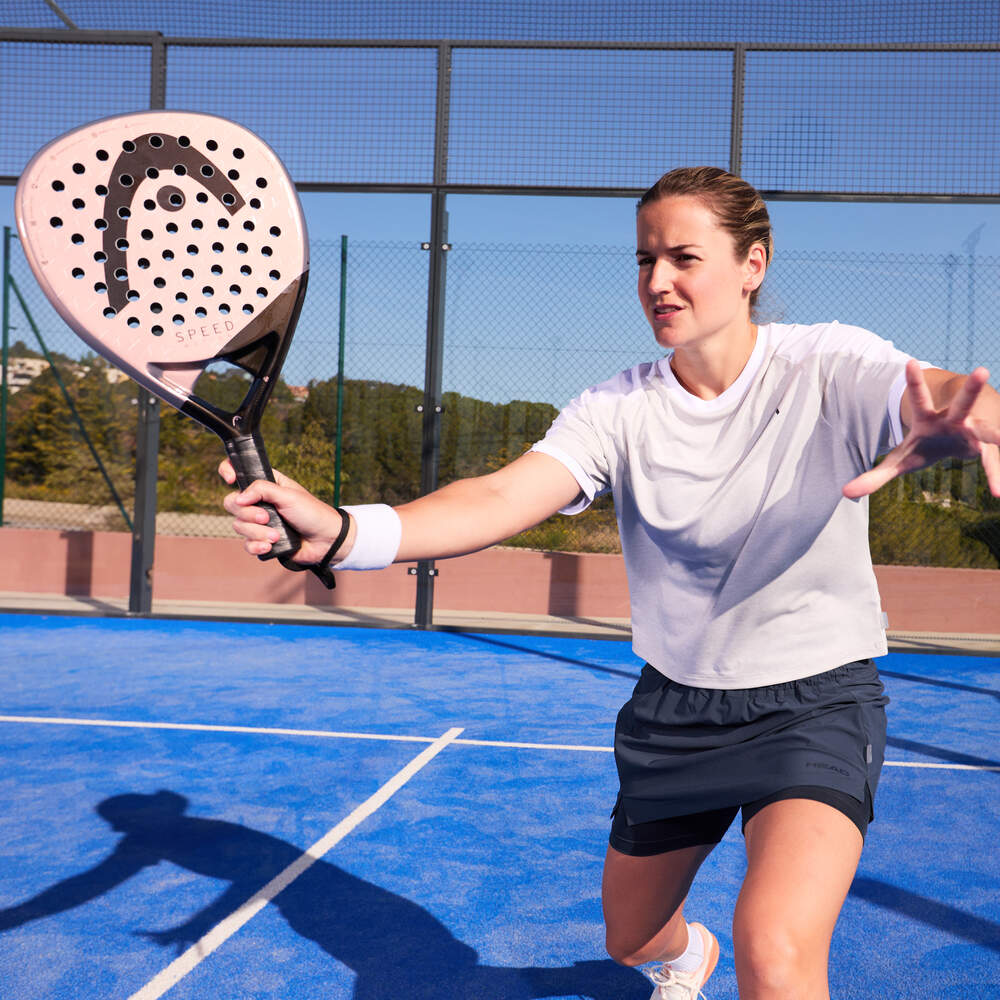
(377, 537)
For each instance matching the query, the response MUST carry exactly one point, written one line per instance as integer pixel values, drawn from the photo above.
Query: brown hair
(737, 206)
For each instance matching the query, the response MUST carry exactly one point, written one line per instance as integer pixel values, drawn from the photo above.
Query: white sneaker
(673, 985)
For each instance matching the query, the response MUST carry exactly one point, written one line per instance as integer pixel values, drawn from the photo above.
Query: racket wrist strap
(322, 568)
(377, 539)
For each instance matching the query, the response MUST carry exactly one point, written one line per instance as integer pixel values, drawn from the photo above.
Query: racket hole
(101, 190)
(143, 263)
(274, 275)
(100, 224)
(132, 295)
(178, 320)
(155, 308)
(55, 222)
(255, 202)
(171, 227)
(216, 269)
(197, 224)
(261, 293)
(223, 223)
(79, 168)
(234, 289)
(261, 182)
(180, 297)
(149, 205)
(102, 154)
(159, 282)
(121, 274)
(100, 287)
(77, 238)
(121, 243)
(176, 199)
(249, 226)
(187, 273)
(168, 255)
(184, 141)
(217, 247)
(77, 272)
(233, 175)
(241, 248)
(147, 234)
(212, 145)
(246, 269)
(228, 199)
(128, 146)
(274, 231)
(124, 213)
(58, 186)
(157, 331)
(110, 313)
(133, 321)
(156, 141)
(126, 180)
(192, 249)
(180, 170)
(266, 251)
(201, 197)
(208, 291)
(238, 153)
(201, 312)
(152, 173)
(247, 308)
(79, 203)
(224, 309)
(100, 256)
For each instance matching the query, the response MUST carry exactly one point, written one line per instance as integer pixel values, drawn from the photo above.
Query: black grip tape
(249, 460)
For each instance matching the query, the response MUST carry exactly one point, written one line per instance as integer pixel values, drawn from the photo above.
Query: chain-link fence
(349, 427)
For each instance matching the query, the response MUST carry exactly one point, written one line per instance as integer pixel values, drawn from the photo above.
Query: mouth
(665, 311)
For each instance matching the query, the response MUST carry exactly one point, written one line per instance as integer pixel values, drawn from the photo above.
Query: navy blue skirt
(682, 750)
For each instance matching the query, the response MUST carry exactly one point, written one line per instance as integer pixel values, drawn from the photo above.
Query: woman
(753, 597)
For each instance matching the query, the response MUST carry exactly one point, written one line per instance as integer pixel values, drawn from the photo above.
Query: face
(693, 289)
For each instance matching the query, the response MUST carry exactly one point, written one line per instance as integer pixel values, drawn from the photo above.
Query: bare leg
(801, 860)
(644, 903)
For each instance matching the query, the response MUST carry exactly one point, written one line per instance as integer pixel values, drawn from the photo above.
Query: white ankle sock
(692, 956)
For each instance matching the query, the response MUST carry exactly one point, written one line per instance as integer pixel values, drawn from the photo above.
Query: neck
(707, 370)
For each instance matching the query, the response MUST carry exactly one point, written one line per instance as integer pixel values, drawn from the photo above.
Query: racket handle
(249, 460)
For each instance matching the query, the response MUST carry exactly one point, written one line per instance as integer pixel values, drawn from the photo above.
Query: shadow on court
(391, 943)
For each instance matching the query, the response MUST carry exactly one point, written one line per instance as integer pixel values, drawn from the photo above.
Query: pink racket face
(165, 239)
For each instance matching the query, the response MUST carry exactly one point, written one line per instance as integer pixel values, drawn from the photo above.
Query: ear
(754, 267)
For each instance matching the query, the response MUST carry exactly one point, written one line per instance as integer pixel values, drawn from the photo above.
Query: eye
(644, 261)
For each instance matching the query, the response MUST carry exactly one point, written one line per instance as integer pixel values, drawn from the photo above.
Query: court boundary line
(226, 928)
(390, 737)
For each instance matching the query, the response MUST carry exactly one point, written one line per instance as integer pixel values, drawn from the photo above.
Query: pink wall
(96, 564)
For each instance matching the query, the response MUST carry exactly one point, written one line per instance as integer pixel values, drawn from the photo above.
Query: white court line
(391, 737)
(225, 929)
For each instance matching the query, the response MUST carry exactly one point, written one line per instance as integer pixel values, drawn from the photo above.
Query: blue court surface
(228, 810)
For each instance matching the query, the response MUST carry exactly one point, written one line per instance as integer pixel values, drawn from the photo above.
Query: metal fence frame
(438, 188)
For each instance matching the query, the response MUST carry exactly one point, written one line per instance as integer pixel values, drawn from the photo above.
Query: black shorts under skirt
(697, 755)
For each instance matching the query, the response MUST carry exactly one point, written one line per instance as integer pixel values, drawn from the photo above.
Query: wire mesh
(527, 327)
(880, 122)
(586, 118)
(313, 105)
(49, 89)
(585, 20)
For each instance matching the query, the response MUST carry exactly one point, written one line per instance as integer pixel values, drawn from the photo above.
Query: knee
(626, 952)
(772, 963)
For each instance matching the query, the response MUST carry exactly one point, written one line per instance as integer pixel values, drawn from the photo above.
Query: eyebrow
(680, 246)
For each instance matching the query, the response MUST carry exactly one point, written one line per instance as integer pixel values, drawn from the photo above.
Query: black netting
(788, 21)
(881, 122)
(335, 115)
(48, 89)
(585, 118)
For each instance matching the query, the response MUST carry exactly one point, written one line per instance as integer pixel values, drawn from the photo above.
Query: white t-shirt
(746, 565)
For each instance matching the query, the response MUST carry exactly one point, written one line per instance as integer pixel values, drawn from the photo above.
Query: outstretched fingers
(964, 400)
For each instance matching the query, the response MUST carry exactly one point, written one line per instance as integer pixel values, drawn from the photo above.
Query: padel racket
(168, 241)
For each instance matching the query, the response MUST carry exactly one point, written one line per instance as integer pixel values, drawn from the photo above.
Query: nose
(660, 277)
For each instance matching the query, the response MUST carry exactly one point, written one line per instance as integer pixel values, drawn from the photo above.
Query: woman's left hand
(968, 426)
